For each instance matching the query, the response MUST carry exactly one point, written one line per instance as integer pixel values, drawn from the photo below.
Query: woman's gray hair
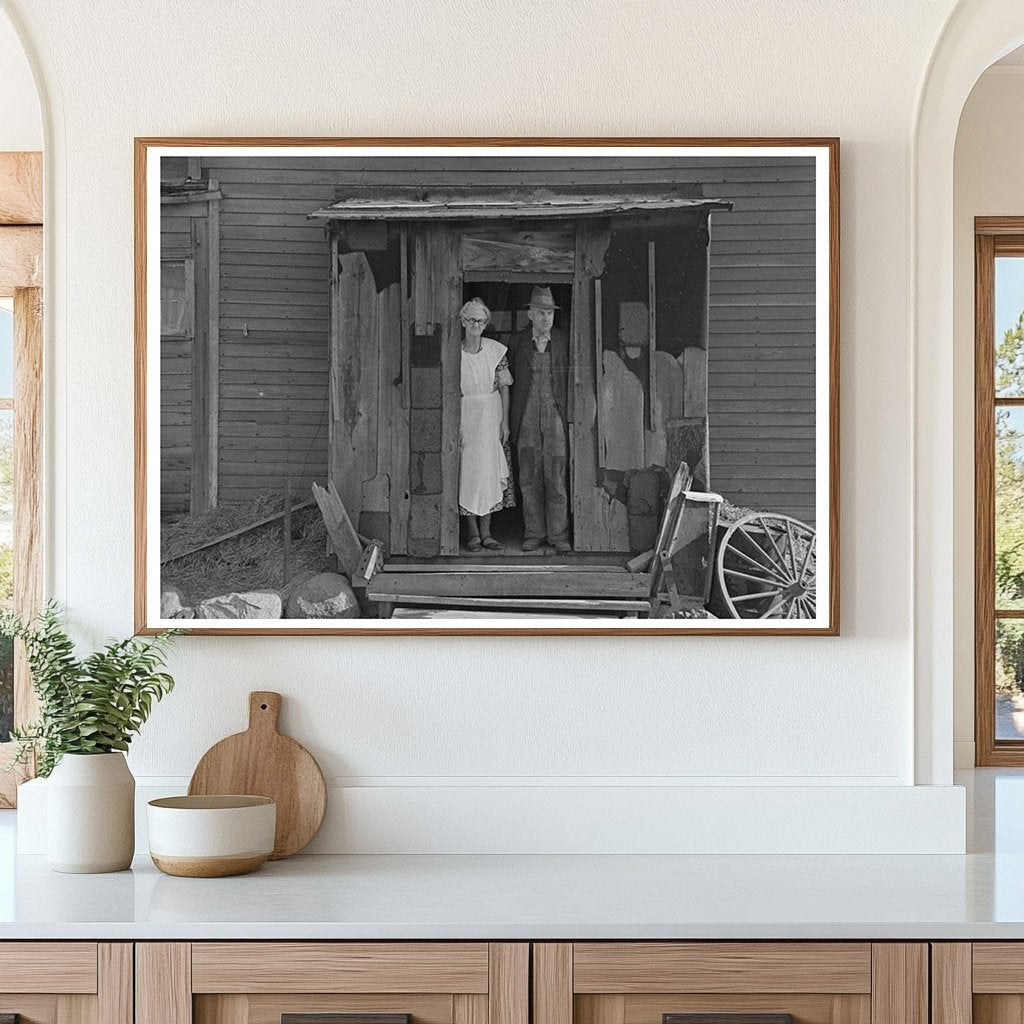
(476, 303)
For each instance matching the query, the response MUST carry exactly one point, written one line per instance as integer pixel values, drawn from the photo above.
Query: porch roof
(491, 203)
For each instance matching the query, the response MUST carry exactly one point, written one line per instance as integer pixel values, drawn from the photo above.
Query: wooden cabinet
(494, 983)
(262, 982)
(66, 982)
(978, 983)
(647, 982)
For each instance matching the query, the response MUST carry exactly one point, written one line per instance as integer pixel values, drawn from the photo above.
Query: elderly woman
(485, 479)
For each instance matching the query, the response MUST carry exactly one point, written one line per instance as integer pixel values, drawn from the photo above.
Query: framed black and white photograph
(457, 386)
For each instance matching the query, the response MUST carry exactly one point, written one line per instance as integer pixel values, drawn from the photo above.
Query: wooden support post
(212, 432)
(447, 299)
(286, 534)
(404, 280)
(652, 338)
(599, 367)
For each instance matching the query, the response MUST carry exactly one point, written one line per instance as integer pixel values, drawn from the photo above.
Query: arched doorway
(977, 33)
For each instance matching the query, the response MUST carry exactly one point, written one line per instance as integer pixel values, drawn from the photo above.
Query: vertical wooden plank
(115, 984)
(421, 283)
(984, 502)
(388, 372)
(591, 505)
(552, 983)
(652, 337)
(622, 402)
(353, 381)
(599, 359)
(695, 382)
(448, 301)
(899, 983)
(469, 1009)
(333, 355)
(399, 471)
(286, 534)
(508, 991)
(213, 352)
(199, 287)
(28, 482)
(163, 983)
(406, 326)
(951, 996)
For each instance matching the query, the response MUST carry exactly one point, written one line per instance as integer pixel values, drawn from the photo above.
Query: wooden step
(388, 586)
(596, 605)
(492, 565)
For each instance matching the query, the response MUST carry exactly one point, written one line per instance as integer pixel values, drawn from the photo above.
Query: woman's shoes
(474, 544)
(491, 544)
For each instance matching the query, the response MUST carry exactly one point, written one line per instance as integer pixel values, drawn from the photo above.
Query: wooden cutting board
(262, 762)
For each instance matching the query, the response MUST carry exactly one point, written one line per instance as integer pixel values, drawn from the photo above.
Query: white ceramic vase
(90, 814)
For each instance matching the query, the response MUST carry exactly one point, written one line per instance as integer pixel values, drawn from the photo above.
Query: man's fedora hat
(542, 298)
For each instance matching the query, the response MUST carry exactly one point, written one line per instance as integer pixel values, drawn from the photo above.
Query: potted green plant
(89, 710)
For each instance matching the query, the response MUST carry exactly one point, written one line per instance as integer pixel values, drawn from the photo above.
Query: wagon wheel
(766, 568)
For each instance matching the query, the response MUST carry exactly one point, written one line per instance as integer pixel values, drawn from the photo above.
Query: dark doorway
(508, 301)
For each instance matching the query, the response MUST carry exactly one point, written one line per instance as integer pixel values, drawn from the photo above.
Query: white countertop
(516, 897)
(977, 896)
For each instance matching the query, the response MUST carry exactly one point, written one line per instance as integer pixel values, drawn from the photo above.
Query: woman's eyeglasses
(474, 320)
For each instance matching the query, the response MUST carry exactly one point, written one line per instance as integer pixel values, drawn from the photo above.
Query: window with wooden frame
(21, 363)
(999, 490)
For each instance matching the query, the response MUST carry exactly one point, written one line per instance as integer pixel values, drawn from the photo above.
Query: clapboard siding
(275, 313)
(761, 358)
(175, 391)
(274, 322)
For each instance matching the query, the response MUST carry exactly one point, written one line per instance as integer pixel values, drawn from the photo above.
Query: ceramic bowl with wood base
(211, 836)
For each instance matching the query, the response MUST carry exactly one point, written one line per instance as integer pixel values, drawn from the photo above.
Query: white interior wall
(21, 126)
(987, 182)
(433, 716)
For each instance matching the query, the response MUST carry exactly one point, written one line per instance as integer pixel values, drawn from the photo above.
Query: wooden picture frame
(622, 234)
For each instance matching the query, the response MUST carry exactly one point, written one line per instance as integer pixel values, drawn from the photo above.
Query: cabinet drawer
(340, 967)
(980, 982)
(751, 967)
(332, 983)
(66, 982)
(65, 967)
(730, 983)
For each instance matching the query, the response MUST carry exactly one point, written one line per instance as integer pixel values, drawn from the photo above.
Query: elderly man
(539, 426)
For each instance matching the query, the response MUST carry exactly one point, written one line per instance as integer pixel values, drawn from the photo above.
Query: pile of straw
(252, 561)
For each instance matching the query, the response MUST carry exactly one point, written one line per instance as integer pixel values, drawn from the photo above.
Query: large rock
(172, 603)
(324, 596)
(254, 604)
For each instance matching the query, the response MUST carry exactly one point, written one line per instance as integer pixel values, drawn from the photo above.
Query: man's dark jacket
(520, 357)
